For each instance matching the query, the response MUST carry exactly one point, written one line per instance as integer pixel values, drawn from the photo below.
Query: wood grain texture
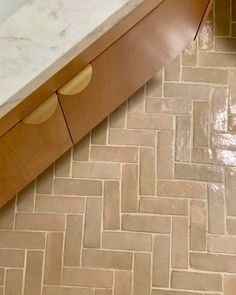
(131, 61)
(27, 150)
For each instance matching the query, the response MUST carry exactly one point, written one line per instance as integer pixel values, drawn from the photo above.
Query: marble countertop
(43, 36)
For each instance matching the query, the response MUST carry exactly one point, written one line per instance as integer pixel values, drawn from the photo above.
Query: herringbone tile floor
(145, 204)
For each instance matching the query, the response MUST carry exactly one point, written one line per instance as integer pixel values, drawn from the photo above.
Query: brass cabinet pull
(78, 83)
(43, 112)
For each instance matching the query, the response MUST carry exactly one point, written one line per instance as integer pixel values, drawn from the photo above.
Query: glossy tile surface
(146, 203)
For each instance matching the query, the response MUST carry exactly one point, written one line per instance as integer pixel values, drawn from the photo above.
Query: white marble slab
(44, 35)
(7, 8)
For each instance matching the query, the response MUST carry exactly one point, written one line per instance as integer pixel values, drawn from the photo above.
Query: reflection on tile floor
(146, 204)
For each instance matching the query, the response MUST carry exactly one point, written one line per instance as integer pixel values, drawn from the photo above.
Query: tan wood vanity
(78, 97)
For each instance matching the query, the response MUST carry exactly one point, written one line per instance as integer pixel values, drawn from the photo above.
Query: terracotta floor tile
(11, 258)
(63, 165)
(232, 90)
(57, 290)
(161, 261)
(22, 240)
(127, 241)
(107, 259)
(186, 91)
(213, 262)
(53, 259)
(196, 281)
(150, 122)
(213, 76)
(219, 108)
(165, 155)
(201, 123)
(86, 277)
(123, 283)
(179, 246)
(131, 137)
(118, 117)
(183, 138)
(189, 55)
(207, 59)
(1, 276)
(77, 187)
(222, 244)
(216, 212)
(40, 222)
(230, 191)
(233, 28)
(154, 86)
(33, 274)
(168, 106)
(198, 225)
(96, 170)
(114, 154)
(146, 203)
(146, 223)
(45, 181)
(136, 102)
(206, 36)
(73, 240)
(99, 134)
(229, 285)
(93, 223)
(172, 70)
(169, 292)
(142, 272)
(60, 204)
(103, 292)
(25, 200)
(147, 171)
(7, 215)
(225, 44)
(163, 206)
(198, 172)
(181, 189)
(81, 149)
(129, 188)
(111, 208)
(222, 11)
(14, 279)
(231, 226)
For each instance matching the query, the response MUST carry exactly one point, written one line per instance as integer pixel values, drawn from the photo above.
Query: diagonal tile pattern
(146, 203)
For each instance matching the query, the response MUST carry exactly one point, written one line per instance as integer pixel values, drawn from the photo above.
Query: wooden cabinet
(31, 146)
(116, 66)
(128, 63)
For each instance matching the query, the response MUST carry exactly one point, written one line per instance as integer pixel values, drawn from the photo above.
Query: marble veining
(44, 35)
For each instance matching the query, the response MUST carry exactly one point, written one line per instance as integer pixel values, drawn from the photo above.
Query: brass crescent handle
(78, 83)
(43, 112)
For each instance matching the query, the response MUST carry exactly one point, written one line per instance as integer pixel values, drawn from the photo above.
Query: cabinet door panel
(31, 146)
(131, 61)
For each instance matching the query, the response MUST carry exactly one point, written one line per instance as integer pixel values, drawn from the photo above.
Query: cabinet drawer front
(30, 147)
(131, 61)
